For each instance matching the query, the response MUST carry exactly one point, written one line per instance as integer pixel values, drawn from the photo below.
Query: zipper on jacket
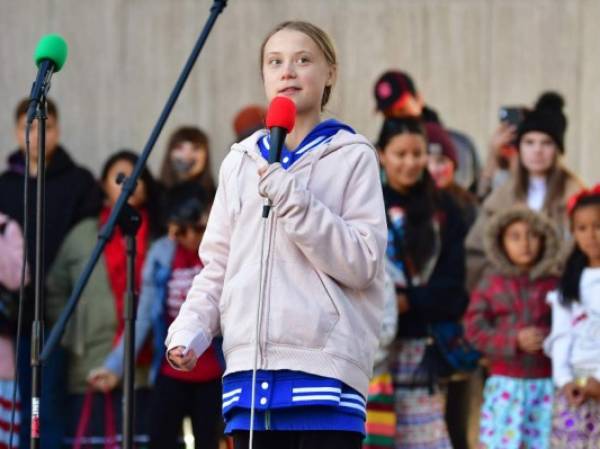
(266, 291)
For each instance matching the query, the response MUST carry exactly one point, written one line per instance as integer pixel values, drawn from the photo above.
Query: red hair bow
(575, 199)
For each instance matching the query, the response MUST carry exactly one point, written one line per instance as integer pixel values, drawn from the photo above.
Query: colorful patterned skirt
(575, 427)
(419, 414)
(516, 413)
(381, 416)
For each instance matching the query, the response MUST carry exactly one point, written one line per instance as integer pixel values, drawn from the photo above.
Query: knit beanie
(547, 117)
(439, 142)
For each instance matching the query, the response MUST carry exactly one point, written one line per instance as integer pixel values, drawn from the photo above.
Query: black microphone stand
(127, 190)
(129, 222)
(37, 328)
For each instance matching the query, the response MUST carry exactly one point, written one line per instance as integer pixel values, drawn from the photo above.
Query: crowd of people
(487, 318)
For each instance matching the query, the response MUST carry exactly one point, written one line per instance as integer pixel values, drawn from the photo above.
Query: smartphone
(513, 115)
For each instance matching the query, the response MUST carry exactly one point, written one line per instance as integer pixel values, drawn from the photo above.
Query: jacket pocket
(301, 311)
(238, 304)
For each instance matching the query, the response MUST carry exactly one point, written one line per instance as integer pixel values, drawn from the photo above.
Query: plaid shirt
(500, 307)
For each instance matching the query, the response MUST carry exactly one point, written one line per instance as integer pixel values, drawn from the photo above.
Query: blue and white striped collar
(322, 133)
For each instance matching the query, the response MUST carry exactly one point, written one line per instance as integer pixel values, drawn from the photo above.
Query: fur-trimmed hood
(548, 262)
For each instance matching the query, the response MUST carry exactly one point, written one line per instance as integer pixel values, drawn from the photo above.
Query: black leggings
(458, 406)
(173, 400)
(308, 439)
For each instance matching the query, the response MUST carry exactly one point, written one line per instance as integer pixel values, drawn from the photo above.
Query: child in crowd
(507, 320)
(170, 267)
(574, 344)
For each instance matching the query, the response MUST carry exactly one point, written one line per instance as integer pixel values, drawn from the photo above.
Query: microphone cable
(264, 266)
(21, 289)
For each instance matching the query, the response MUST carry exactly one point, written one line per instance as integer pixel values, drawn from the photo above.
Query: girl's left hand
(592, 388)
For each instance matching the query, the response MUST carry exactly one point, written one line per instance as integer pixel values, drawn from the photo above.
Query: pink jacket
(324, 285)
(11, 254)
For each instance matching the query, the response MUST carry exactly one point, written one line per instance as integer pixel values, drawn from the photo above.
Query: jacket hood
(550, 257)
(342, 138)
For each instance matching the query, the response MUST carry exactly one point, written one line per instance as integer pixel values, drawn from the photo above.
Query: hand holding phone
(512, 115)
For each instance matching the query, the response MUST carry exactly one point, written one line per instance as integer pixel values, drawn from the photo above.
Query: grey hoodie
(323, 261)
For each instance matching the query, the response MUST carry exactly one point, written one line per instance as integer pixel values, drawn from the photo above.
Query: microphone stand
(37, 328)
(127, 190)
(129, 222)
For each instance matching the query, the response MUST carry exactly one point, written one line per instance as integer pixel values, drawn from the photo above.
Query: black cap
(391, 87)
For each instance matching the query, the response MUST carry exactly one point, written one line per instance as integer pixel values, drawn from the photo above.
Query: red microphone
(280, 120)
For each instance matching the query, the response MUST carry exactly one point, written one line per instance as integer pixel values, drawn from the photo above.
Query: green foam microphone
(50, 56)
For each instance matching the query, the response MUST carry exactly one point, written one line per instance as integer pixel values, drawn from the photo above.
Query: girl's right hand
(179, 358)
(574, 394)
(503, 137)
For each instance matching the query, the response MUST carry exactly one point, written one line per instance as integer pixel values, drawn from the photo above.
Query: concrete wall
(468, 57)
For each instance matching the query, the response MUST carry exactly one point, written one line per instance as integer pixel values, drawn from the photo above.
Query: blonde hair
(319, 37)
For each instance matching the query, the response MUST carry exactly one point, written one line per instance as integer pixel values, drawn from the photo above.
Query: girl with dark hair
(426, 258)
(507, 320)
(94, 404)
(541, 182)
(188, 159)
(169, 269)
(574, 344)
(122, 162)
